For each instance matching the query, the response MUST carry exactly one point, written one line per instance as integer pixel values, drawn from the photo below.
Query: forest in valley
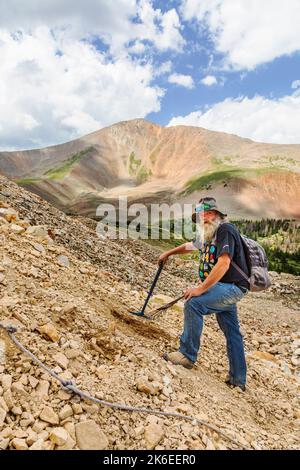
(279, 237)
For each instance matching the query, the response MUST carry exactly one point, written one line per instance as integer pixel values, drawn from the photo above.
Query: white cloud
(48, 97)
(259, 118)
(112, 21)
(209, 80)
(55, 85)
(137, 48)
(295, 84)
(163, 68)
(248, 33)
(182, 80)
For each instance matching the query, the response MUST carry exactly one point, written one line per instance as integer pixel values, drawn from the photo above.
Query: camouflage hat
(207, 204)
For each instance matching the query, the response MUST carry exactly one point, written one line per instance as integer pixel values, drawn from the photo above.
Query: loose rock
(59, 436)
(49, 416)
(90, 437)
(154, 433)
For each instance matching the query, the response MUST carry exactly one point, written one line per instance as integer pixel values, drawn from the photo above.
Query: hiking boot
(231, 385)
(177, 358)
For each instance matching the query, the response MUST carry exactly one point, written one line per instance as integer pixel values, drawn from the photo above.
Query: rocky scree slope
(68, 293)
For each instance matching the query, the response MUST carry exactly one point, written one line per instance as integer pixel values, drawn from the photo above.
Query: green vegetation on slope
(134, 164)
(57, 173)
(26, 181)
(225, 175)
(223, 170)
(143, 175)
(61, 171)
(279, 160)
(206, 179)
(137, 169)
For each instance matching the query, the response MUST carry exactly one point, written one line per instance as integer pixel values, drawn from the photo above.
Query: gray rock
(63, 261)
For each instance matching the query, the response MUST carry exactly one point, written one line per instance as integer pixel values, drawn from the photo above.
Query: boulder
(38, 247)
(2, 416)
(61, 360)
(6, 381)
(19, 389)
(264, 355)
(38, 445)
(19, 444)
(8, 214)
(63, 261)
(49, 416)
(59, 436)
(49, 332)
(4, 443)
(38, 232)
(149, 388)
(68, 445)
(66, 412)
(90, 437)
(42, 389)
(8, 399)
(154, 433)
(17, 229)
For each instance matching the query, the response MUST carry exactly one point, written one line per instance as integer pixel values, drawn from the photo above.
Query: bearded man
(222, 286)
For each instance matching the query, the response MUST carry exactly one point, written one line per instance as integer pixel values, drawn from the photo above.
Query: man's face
(207, 225)
(207, 217)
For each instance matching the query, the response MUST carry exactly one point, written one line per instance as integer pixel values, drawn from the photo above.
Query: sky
(70, 68)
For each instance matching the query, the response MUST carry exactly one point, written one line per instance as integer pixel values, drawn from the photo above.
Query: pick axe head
(140, 314)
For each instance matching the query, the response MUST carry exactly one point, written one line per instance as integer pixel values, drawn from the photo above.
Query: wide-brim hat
(207, 204)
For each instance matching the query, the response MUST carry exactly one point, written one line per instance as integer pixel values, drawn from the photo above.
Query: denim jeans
(220, 299)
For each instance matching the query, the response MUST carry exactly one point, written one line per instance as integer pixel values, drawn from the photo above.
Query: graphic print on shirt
(207, 260)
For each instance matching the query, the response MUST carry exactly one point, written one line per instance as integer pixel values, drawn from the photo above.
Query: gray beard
(206, 232)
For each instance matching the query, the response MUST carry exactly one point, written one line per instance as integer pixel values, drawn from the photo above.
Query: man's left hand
(193, 292)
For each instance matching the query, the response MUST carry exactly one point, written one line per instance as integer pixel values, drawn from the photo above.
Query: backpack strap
(236, 266)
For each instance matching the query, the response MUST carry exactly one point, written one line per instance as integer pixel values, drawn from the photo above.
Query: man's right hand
(163, 258)
(187, 247)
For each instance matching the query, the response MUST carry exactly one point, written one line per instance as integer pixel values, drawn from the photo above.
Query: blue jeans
(220, 299)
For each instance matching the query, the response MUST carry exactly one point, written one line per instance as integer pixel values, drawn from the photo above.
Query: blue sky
(272, 80)
(68, 68)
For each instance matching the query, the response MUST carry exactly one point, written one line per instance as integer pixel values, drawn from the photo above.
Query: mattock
(141, 313)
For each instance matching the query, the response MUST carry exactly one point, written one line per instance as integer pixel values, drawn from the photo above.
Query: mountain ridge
(144, 160)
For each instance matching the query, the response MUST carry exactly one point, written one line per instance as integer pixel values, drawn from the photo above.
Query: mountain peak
(152, 163)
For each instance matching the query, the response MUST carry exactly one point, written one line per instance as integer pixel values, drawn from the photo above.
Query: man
(221, 287)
